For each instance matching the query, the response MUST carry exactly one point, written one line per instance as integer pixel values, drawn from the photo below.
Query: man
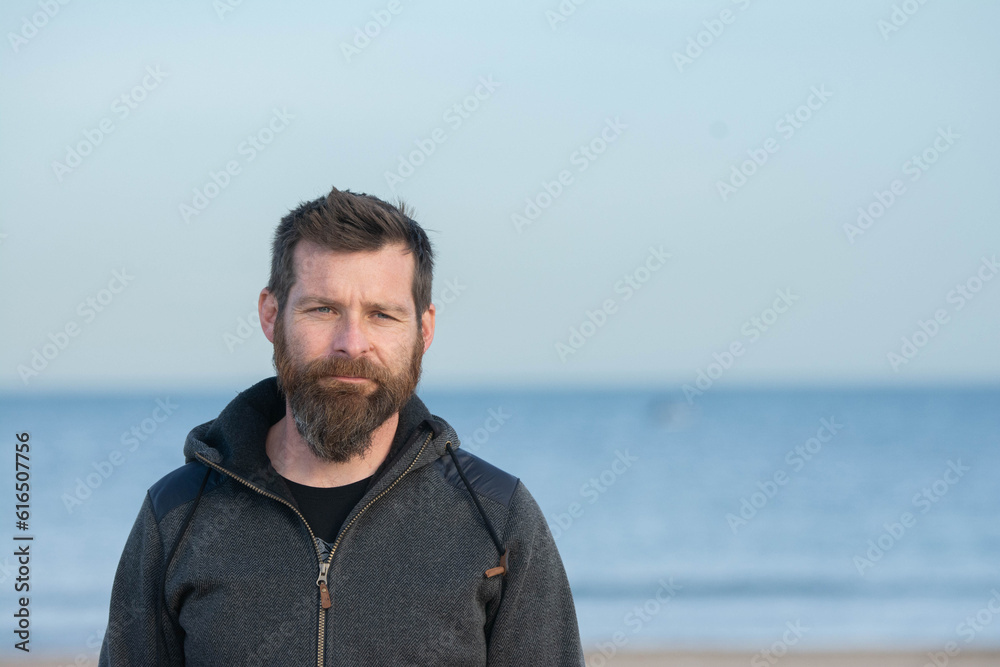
(326, 516)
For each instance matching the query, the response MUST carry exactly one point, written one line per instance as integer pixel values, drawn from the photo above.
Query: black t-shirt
(326, 508)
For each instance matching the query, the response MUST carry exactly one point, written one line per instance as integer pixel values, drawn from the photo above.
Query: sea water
(859, 518)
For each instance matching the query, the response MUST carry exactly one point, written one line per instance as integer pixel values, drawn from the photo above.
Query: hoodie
(446, 560)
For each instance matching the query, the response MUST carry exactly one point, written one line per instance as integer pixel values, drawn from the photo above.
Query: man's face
(348, 346)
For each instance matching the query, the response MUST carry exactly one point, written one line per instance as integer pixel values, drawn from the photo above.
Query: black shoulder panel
(180, 486)
(485, 478)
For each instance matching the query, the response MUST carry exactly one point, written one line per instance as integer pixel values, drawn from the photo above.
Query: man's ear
(267, 311)
(427, 325)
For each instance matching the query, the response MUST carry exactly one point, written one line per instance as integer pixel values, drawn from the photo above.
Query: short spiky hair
(345, 221)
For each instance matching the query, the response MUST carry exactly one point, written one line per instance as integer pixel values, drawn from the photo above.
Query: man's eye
(322, 308)
(388, 317)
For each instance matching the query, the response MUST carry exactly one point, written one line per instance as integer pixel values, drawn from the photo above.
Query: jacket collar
(234, 441)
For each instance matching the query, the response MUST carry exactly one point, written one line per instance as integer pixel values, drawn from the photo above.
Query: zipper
(324, 567)
(324, 592)
(319, 556)
(268, 494)
(321, 582)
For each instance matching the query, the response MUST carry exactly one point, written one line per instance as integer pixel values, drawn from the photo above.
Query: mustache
(359, 367)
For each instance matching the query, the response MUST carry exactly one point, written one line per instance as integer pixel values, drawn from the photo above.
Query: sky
(629, 194)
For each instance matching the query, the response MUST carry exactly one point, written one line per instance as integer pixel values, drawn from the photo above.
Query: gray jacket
(446, 560)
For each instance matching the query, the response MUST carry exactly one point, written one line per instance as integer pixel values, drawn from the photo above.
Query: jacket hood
(235, 440)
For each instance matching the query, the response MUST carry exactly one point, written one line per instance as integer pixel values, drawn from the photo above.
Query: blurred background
(745, 249)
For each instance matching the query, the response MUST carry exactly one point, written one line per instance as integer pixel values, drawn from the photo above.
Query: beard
(335, 418)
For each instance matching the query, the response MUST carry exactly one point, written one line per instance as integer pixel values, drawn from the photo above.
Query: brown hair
(345, 221)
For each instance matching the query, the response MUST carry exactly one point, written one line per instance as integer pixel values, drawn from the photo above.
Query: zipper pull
(324, 591)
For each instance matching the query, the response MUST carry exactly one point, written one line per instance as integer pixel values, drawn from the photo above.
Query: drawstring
(491, 572)
(160, 639)
(502, 568)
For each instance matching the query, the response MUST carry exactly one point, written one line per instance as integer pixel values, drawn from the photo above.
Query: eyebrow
(323, 301)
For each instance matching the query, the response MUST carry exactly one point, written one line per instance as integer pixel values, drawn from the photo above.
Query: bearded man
(326, 516)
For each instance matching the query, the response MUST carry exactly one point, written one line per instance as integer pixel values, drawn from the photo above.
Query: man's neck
(292, 459)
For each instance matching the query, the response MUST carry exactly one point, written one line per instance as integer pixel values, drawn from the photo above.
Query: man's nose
(350, 338)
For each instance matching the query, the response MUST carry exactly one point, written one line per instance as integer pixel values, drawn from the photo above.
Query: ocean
(845, 518)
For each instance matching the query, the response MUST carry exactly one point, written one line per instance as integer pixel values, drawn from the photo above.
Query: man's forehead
(310, 256)
(386, 270)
